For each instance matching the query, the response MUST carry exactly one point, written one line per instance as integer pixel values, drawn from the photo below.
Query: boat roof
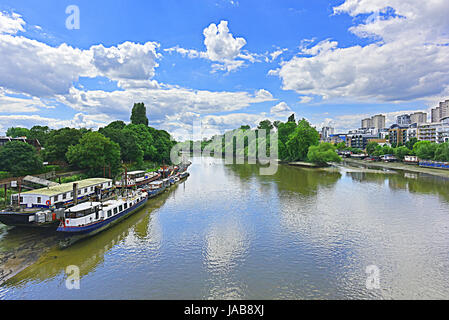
(135, 172)
(66, 187)
(83, 206)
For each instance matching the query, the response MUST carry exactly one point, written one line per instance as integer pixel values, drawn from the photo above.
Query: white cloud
(128, 61)
(408, 58)
(11, 23)
(281, 110)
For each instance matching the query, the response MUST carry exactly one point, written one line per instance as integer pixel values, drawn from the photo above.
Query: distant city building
(376, 122)
(440, 112)
(403, 120)
(418, 117)
(437, 132)
(397, 135)
(379, 121)
(326, 132)
(367, 123)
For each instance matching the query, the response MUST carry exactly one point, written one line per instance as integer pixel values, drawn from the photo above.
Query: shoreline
(399, 166)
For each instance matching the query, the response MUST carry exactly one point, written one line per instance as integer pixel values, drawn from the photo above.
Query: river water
(230, 233)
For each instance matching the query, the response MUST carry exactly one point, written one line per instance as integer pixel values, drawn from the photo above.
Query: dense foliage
(110, 146)
(19, 158)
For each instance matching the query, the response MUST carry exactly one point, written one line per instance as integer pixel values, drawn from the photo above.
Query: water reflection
(140, 228)
(229, 233)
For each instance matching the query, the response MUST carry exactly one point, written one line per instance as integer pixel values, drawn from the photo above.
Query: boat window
(126, 206)
(109, 213)
(39, 199)
(115, 210)
(64, 196)
(121, 208)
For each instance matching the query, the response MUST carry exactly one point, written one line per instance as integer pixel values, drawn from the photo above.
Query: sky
(221, 63)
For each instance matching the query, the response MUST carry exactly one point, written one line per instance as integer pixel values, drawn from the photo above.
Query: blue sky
(223, 62)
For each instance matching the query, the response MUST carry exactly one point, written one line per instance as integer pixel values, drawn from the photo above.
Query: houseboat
(411, 159)
(90, 218)
(434, 164)
(137, 179)
(44, 207)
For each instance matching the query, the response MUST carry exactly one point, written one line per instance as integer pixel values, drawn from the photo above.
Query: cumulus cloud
(281, 110)
(222, 48)
(11, 23)
(407, 59)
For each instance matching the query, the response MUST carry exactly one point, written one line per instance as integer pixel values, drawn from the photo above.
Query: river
(228, 232)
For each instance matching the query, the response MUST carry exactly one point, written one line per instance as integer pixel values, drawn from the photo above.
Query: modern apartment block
(437, 132)
(403, 120)
(326, 132)
(440, 112)
(376, 122)
(418, 117)
(398, 134)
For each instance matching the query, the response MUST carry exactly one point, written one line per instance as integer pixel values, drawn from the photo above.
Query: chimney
(75, 194)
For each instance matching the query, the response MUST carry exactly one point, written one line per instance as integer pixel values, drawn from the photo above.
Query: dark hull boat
(88, 219)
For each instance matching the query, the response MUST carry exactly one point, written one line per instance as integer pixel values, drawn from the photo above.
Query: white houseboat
(43, 207)
(89, 218)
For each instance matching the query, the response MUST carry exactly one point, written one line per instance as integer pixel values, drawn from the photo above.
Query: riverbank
(399, 166)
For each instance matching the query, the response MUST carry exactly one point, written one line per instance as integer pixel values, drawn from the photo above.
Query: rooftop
(66, 187)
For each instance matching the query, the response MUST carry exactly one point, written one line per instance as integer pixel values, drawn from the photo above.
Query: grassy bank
(400, 166)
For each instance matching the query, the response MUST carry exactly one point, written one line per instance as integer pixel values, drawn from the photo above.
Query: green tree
(341, 146)
(244, 128)
(425, 150)
(442, 152)
(291, 118)
(265, 125)
(17, 132)
(130, 150)
(284, 131)
(94, 152)
(371, 147)
(300, 140)
(139, 114)
(59, 141)
(322, 154)
(41, 133)
(401, 152)
(276, 123)
(20, 158)
(410, 143)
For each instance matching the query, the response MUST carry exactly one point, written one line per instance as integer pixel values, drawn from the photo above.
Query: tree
(284, 131)
(401, 152)
(265, 125)
(116, 125)
(425, 150)
(341, 146)
(59, 141)
(244, 128)
(41, 133)
(300, 140)
(371, 147)
(20, 158)
(17, 132)
(276, 123)
(442, 152)
(130, 150)
(322, 154)
(410, 143)
(139, 114)
(95, 152)
(291, 118)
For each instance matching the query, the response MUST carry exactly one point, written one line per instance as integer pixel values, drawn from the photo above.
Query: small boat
(155, 188)
(88, 219)
(137, 179)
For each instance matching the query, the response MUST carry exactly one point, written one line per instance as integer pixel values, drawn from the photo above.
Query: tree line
(94, 151)
(297, 141)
